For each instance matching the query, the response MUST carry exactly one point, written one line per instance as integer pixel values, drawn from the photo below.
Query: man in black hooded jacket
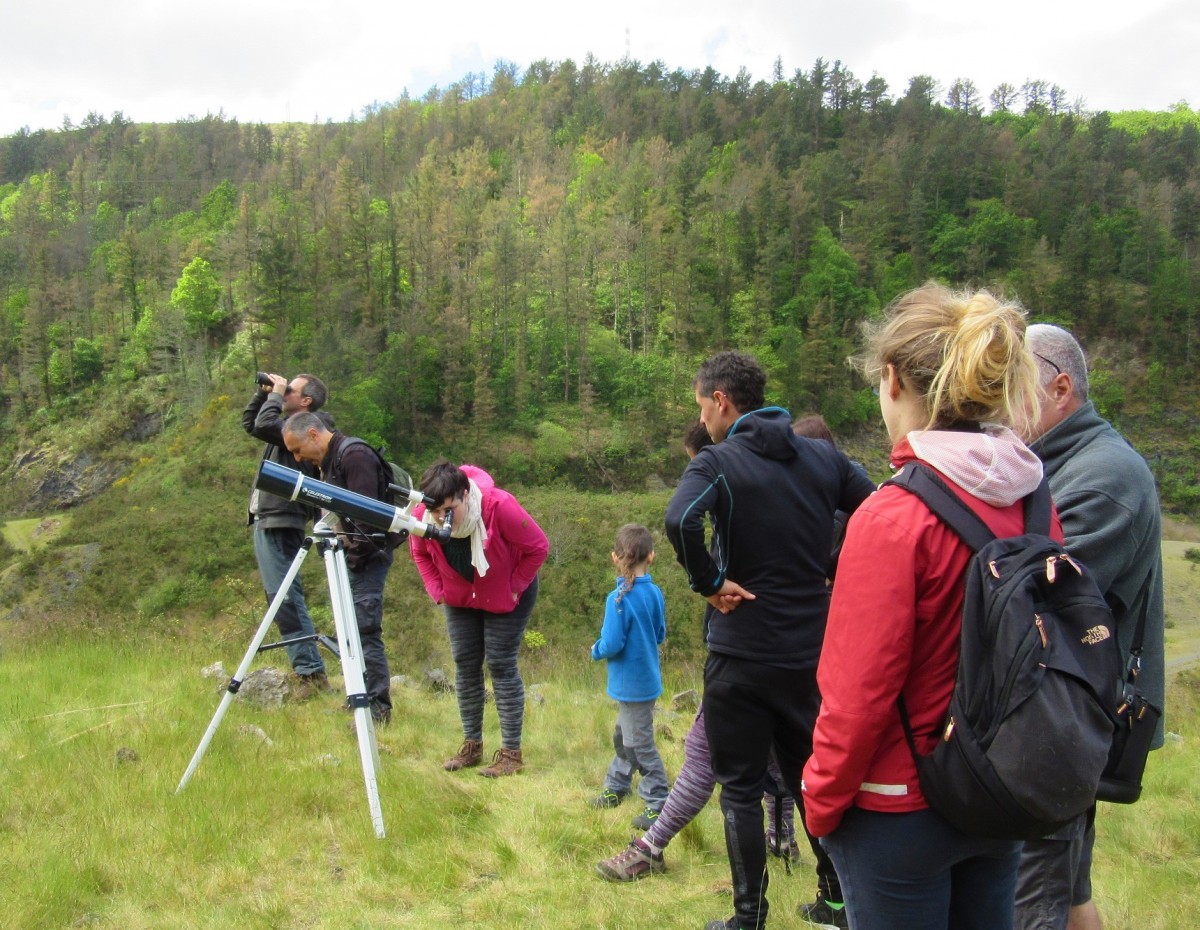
(772, 497)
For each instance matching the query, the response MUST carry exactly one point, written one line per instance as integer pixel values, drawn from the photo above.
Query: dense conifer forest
(533, 264)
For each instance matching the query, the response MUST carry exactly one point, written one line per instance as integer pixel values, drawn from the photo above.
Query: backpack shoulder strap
(346, 443)
(922, 481)
(1037, 509)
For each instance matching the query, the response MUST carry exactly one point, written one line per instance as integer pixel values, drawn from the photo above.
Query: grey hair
(1054, 345)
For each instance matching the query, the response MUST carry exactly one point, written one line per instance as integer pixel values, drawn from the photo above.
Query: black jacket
(263, 419)
(772, 496)
(359, 469)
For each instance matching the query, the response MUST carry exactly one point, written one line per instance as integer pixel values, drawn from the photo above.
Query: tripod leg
(236, 681)
(352, 670)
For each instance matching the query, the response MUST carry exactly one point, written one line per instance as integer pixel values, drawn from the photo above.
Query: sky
(279, 60)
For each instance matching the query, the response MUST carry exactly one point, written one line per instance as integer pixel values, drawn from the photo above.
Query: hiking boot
(730, 924)
(823, 914)
(645, 820)
(381, 714)
(306, 687)
(789, 850)
(504, 762)
(607, 798)
(631, 863)
(469, 755)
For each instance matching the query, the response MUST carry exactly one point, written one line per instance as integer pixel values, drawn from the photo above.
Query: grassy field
(275, 833)
(97, 727)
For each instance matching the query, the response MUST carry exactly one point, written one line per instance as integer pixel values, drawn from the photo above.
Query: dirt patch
(1179, 530)
(1181, 587)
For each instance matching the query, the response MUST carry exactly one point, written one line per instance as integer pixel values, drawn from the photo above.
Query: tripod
(349, 650)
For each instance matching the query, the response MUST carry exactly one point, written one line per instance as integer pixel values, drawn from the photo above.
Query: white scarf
(473, 526)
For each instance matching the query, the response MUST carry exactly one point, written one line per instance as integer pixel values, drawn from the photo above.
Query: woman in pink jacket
(955, 380)
(485, 578)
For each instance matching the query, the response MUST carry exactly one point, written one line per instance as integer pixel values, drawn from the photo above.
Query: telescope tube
(295, 486)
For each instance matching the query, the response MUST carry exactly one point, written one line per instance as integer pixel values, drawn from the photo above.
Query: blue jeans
(477, 636)
(366, 589)
(633, 740)
(914, 870)
(275, 550)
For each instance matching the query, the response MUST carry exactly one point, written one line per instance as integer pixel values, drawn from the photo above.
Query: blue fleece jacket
(634, 627)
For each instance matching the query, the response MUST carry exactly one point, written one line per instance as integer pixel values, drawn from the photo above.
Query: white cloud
(271, 60)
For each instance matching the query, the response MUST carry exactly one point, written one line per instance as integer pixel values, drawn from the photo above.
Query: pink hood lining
(993, 466)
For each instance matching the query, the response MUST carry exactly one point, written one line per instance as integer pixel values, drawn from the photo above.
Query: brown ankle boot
(504, 762)
(469, 754)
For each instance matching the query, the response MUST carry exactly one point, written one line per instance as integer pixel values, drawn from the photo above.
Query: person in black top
(771, 496)
(357, 467)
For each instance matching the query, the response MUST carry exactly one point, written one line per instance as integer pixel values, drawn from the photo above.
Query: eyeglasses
(1057, 370)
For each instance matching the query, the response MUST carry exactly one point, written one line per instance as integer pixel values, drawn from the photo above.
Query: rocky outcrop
(40, 481)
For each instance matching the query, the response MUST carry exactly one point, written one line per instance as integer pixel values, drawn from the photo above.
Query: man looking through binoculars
(354, 465)
(279, 524)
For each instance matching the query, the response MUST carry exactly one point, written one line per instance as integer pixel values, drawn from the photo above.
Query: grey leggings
(476, 637)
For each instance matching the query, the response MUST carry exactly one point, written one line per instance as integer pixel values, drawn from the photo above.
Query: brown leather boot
(504, 762)
(469, 754)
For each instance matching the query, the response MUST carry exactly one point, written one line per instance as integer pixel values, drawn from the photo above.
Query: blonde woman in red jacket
(956, 385)
(485, 578)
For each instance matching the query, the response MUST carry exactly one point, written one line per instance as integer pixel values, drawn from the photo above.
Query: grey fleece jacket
(1108, 503)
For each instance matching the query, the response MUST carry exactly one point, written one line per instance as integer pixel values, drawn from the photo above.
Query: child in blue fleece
(634, 627)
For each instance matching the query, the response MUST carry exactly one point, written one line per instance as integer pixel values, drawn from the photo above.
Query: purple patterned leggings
(695, 784)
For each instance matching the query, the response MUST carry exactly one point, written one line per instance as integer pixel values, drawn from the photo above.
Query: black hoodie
(772, 496)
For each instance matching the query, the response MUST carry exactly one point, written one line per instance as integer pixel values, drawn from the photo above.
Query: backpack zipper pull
(1037, 621)
(1051, 571)
(1066, 557)
(992, 568)
(949, 731)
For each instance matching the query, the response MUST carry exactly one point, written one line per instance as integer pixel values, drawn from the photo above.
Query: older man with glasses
(1108, 503)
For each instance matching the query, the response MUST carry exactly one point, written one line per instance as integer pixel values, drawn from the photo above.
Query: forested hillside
(533, 264)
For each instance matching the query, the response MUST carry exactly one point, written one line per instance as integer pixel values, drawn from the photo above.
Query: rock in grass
(264, 687)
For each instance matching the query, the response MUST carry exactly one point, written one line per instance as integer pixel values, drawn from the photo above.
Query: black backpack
(399, 483)
(1033, 712)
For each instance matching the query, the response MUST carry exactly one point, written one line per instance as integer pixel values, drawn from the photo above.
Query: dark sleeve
(856, 486)
(268, 423)
(695, 497)
(251, 412)
(359, 470)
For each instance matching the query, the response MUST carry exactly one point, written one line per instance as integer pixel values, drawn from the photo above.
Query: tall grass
(278, 835)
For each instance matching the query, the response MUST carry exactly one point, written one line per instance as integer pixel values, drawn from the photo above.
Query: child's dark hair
(696, 438)
(813, 426)
(632, 547)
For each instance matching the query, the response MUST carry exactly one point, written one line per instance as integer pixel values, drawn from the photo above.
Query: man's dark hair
(738, 375)
(314, 389)
(444, 479)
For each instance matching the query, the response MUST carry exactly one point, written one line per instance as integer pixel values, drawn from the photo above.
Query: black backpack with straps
(1032, 716)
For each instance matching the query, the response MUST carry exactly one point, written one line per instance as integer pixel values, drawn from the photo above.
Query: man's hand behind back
(729, 596)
